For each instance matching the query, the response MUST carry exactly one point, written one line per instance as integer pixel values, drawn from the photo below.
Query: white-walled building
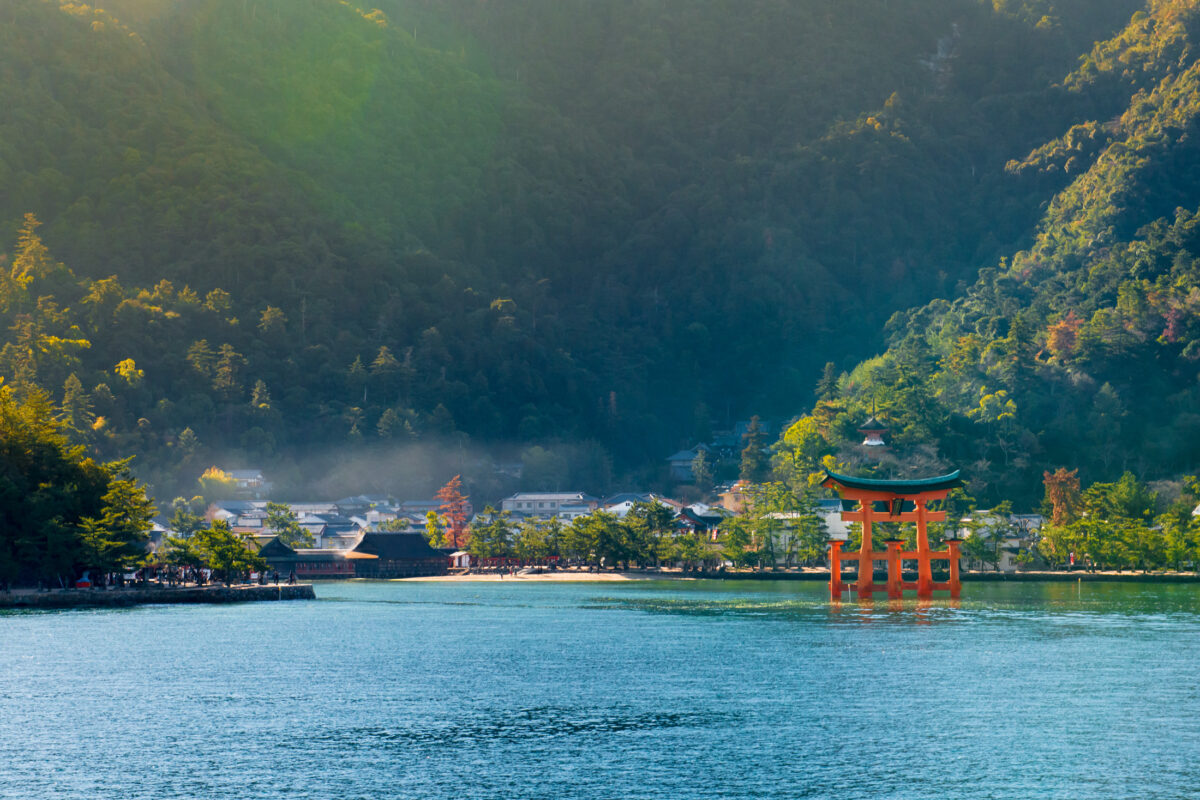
(549, 505)
(1004, 535)
(831, 511)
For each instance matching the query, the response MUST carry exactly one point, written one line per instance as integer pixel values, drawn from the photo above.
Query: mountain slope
(1083, 350)
(531, 220)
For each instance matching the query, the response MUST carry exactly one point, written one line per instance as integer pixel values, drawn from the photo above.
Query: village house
(419, 508)
(252, 482)
(622, 504)
(1003, 536)
(701, 519)
(735, 498)
(783, 532)
(1030, 525)
(551, 505)
(830, 510)
(329, 529)
(724, 447)
(680, 464)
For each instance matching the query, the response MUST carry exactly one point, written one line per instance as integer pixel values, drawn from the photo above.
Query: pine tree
(188, 444)
(827, 386)
(389, 424)
(76, 413)
(63, 512)
(202, 358)
(282, 522)
(702, 471)
(225, 377)
(755, 462)
(260, 397)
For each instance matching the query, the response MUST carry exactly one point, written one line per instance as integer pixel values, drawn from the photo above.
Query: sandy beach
(583, 576)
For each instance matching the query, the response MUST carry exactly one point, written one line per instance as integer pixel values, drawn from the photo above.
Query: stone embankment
(118, 598)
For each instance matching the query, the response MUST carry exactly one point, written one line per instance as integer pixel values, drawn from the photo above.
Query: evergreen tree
(61, 512)
(433, 529)
(755, 460)
(226, 374)
(282, 522)
(76, 415)
(702, 471)
(227, 553)
(827, 386)
(187, 516)
(260, 397)
(493, 536)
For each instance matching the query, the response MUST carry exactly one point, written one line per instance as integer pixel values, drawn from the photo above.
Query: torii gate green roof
(901, 487)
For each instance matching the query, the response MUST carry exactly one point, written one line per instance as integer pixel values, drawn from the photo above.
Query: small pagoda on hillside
(873, 430)
(893, 501)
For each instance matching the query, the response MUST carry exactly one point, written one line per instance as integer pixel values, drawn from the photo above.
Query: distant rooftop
(584, 496)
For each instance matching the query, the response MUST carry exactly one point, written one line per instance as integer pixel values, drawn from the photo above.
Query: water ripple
(522, 725)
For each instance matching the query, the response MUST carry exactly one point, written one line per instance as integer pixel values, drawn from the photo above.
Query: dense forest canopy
(274, 229)
(1081, 350)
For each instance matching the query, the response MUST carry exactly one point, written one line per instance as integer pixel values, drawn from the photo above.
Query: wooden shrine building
(893, 501)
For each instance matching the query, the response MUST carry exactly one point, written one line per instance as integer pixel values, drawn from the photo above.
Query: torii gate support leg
(924, 567)
(866, 564)
(835, 570)
(955, 584)
(895, 583)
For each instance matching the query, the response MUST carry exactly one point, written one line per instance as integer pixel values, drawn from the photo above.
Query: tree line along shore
(66, 513)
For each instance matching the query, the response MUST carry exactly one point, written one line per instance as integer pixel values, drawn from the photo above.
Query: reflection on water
(675, 690)
(982, 602)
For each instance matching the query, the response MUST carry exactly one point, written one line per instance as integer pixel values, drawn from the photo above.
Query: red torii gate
(894, 495)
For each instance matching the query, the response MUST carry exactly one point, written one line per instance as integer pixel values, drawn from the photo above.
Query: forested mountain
(294, 224)
(1083, 350)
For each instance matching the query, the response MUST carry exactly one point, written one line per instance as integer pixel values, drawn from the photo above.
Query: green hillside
(1083, 350)
(613, 223)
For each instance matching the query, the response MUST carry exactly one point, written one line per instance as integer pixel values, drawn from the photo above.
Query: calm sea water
(645, 690)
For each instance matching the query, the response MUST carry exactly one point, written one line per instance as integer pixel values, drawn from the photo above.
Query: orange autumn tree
(1062, 494)
(454, 511)
(1063, 335)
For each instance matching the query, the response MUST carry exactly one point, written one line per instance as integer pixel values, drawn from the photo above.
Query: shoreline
(124, 598)
(551, 577)
(27, 599)
(814, 576)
